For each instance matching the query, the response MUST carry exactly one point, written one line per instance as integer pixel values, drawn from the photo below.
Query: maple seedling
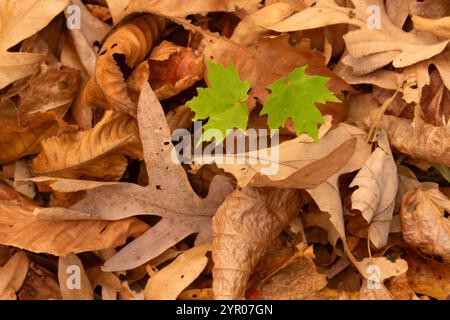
(294, 96)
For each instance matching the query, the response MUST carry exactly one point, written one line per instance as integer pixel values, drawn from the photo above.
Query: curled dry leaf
(375, 197)
(439, 27)
(20, 228)
(424, 223)
(73, 281)
(419, 140)
(168, 195)
(96, 153)
(123, 50)
(169, 70)
(50, 92)
(169, 282)
(244, 225)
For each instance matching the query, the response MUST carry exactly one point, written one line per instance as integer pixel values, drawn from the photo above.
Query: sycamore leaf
(295, 97)
(168, 195)
(222, 103)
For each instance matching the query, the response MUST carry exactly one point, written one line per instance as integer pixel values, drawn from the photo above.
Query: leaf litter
(356, 91)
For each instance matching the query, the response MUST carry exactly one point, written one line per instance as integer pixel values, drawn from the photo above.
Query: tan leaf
(295, 163)
(387, 268)
(19, 21)
(169, 282)
(299, 280)
(15, 145)
(51, 91)
(20, 228)
(73, 281)
(399, 287)
(426, 276)
(196, 294)
(181, 118)
(96, 153)
(380, 46)
(244, 225)
(181, 8)
(424, 223)
(168, 195)
(375, 197)
(421, 140)
(381, 293)
(18, 65)
(13, 273)
(125, 48)
(439, 27)
(109, 282)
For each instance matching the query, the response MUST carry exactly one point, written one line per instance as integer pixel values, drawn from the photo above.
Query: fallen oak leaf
(424, 223)
(439, 27)
(20, 228)
(168, 195)
(375, 197)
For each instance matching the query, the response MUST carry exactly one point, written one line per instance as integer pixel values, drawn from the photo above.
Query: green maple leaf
(222, 102)
(295, 97)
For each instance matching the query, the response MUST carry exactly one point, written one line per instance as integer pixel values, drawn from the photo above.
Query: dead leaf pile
(95, 203)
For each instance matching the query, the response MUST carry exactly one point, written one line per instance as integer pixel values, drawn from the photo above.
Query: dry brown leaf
(15, 145)
(196, 294)
(418, 139)
(244, 225)
(299, 280)
(51, 92)
(181, 8)
(424, 223)
(381, 293)
(40, 284)
(20, 228)
(399, 287)
(427, 276)
(73, 281)
(298, 160)
(375, 197)
(169, 282)
(181, 118)
(110, 283)
(439, 27)
(125, 49)
(19, 21)
(12, 274)
(378, 47)
(168, 195)
(96, 153)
